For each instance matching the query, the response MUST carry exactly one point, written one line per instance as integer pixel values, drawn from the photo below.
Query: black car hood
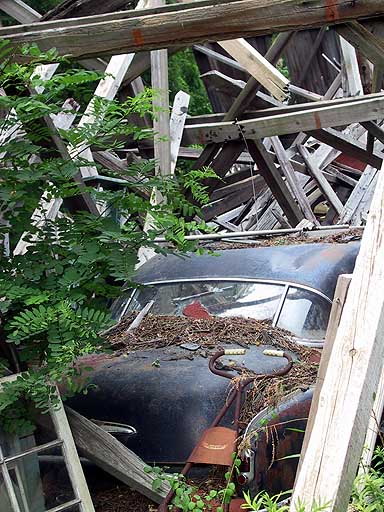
(168, 395)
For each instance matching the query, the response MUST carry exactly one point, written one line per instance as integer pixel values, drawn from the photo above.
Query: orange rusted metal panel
(215, 446)
(235, 505)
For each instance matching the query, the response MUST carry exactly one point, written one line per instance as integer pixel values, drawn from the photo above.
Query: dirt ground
(119, 498)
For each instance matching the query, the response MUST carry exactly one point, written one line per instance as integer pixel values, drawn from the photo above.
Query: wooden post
(341, 291)
(354, 369)
(159, 74)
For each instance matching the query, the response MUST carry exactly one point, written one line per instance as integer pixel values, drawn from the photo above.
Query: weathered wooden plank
(112, 456)
(352, 377)
(363, 40)
(354, 86)
(159, 75)
(348, 145)
(245, 97)
(252, 86)
(229, 202)
(176, 126)
(275, 182)
(20, 11)
(322, 182)
(352, 110)
(354, 206)
(161, 128)
(74, 9)
(331, 169)
(289, 173)
(71, 458)
(374, 130)
(129, 31)
(255, 181)
(258, 66)
(219, 57)
(23, 13)
(106, 89)
(340, 295)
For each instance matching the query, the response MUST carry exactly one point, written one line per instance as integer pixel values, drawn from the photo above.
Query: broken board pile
(295, 132)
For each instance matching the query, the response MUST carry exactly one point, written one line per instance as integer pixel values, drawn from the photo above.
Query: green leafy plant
(56, 285)
(368, 488)
(189, 497)
(263, 501)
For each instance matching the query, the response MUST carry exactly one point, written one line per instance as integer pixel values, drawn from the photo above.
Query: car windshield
(220, 298)
(303, 312)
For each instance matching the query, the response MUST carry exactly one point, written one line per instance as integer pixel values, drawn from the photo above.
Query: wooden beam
(256, 181)
(109, 454)
(375, 130)
(354, 86)
(20, 11)
(358, 203)
(161, 128)
(258, 66)
(176, 125)
(338, 303)
(351, 110)
(253, 86)
(219, 57)
(159, 74)
(245, 97)
(23, 13)
(74, 9)
(322, 182)
(106, 89)
(348, 145)
(229, 202)
(275, 182)
(184, 24)
(364, 41)
(290, 175)
(71, 458)
(351, 381)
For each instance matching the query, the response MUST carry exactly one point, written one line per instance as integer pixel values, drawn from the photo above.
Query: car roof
(313, 265)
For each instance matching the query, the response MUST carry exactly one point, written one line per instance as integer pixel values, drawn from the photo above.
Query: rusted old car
(168, 397)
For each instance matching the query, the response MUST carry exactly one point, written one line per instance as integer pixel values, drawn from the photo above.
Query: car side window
(305, 314)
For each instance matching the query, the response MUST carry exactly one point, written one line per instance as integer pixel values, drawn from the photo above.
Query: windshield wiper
(217, 290)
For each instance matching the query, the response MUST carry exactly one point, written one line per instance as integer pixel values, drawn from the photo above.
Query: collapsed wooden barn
(293, 151)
